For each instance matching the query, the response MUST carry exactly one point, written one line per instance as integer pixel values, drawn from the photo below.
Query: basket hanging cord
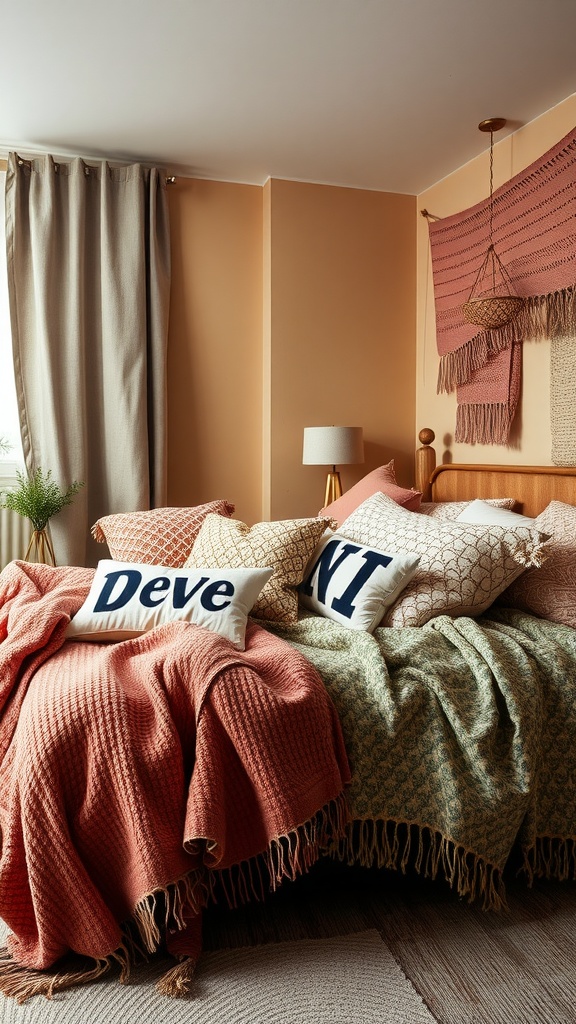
(491, 257)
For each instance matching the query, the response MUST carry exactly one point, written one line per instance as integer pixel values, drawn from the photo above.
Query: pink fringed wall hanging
(534, 233)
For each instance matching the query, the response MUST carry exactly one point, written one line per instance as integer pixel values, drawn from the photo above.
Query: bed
(173, 762)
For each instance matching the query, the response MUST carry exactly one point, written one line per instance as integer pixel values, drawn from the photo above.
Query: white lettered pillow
(352, 583)
(127, 599)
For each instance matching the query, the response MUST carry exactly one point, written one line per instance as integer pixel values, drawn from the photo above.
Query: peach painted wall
(292, 306)
(464, 188)
(339, 332)
(215, 345)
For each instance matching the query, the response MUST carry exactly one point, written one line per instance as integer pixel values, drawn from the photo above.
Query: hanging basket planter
(491, 303)
(492, 311)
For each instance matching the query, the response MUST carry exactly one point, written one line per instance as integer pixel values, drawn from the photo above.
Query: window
(9, 423)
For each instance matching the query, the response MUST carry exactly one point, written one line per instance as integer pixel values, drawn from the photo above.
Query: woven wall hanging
(531, 222)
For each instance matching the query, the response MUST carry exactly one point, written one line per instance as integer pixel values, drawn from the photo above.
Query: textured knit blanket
(462, 740)
(135, 775)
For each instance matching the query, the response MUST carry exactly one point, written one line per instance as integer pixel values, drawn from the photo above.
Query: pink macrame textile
(534, 234)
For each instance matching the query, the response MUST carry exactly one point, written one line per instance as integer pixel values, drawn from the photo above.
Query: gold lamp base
(333, 487)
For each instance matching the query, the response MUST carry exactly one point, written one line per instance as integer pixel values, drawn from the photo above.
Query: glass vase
(40, 548)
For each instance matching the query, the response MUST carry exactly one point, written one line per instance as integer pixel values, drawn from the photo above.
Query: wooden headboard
(533, 487)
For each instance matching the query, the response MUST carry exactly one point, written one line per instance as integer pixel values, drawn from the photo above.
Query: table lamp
(332, 446)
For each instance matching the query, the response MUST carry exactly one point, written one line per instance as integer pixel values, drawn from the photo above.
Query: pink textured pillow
(162, 536)
(550, 591)
(382, 479)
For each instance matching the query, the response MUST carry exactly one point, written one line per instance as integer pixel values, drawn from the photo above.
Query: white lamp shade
(332, 446)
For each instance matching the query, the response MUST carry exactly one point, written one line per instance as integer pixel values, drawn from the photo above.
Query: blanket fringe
(398, 845)
(176, 982)
(286, 857)
(542, 318)
(551, 857)
(21, 983)
(165, 909)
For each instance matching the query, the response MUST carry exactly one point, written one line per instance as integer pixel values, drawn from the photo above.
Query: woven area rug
(351, 979)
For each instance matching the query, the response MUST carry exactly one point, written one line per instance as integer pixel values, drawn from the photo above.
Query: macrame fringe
(287, 857)
(483, 423)
(21, 983)
(398, 845)
(551, 857)
(542, 318)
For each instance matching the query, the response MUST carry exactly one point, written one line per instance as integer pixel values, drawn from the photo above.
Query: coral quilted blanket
(134, 774)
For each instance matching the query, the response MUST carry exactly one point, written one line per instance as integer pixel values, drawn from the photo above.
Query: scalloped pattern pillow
(463, 567)
(285, 545)
(382, 479)
(450, 510)
(550, 591)
(160, 536)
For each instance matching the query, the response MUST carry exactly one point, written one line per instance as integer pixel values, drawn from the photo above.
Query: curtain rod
(170, 179)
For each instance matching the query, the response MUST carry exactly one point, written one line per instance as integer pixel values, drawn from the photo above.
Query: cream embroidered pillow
(285, 545)
(550, 591)
(463, 567)
(161, 536)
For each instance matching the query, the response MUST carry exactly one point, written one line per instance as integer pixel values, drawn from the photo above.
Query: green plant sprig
(5, 445)
(38, 497)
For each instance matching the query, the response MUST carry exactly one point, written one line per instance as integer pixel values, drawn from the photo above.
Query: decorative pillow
(479, 511)
(382, 479)
(162, 536)
(450, 510)
(127, 599)
(286, 545)
(354, 584)
(462, 567)
(550, 591)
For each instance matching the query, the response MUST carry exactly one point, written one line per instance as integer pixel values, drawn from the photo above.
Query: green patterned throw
(461, 736)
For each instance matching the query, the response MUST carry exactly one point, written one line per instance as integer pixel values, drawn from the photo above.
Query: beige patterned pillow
(463, 567)
(550, 591)
(452, 509)
(161, 536)
(285, 545)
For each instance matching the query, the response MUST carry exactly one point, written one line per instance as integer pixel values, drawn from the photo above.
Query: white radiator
(15, 533)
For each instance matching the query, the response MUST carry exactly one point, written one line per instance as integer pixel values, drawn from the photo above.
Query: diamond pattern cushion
(550, 591)
(285, 546)
(463, 567)
(162, 536)
(452, 509)
(382, 479)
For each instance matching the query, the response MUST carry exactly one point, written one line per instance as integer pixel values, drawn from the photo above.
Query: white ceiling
(377, 94)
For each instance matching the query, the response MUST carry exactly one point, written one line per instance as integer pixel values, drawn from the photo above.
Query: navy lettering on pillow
(326, 566)
(352, 583)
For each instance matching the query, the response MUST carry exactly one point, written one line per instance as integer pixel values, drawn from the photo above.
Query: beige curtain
(89, 277)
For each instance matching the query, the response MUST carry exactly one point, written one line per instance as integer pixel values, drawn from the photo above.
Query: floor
(470, 966)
